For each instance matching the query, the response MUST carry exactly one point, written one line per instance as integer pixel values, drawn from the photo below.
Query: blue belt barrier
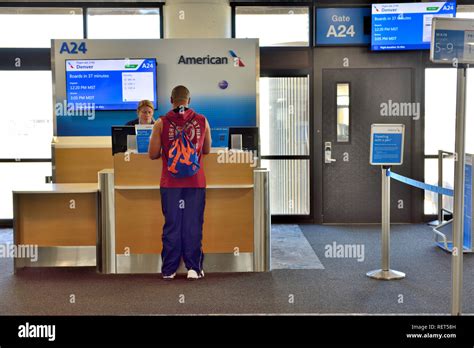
(421, 185)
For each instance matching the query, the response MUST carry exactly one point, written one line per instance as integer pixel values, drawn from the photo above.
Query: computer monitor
(119, 138)
(246, 136)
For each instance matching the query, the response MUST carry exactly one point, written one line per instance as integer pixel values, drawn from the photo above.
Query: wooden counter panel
(47, 220)
(138, 221)
(228, 221)
(141, 171)
(81, 165)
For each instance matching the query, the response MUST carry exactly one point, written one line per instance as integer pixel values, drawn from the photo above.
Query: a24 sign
(73, 48)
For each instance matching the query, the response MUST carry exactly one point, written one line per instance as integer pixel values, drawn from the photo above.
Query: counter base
(60, 256)
(151, 263)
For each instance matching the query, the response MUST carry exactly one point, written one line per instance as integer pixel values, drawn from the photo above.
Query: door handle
(328, 152)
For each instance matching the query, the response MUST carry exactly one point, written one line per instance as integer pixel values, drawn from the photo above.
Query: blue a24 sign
(342, 26)
(73, 48)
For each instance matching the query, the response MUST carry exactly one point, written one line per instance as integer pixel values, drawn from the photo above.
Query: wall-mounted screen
(110, 84)
(406, 26)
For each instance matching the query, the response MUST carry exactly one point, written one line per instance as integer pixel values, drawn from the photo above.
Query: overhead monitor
(110, 84)
(406, 26)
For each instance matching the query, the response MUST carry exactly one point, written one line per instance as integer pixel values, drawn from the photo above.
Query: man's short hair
(180, 93)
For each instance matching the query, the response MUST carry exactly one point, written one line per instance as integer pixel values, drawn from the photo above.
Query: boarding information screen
(406, 26)
(110, 84)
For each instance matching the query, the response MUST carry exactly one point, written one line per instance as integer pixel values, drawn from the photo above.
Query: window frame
(307, 4)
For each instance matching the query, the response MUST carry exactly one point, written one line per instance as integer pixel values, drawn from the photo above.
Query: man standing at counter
(179, 137)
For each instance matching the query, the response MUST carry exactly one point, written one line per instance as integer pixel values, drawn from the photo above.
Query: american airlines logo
(212, 60)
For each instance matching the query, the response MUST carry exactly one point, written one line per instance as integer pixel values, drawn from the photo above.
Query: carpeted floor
(341, 287)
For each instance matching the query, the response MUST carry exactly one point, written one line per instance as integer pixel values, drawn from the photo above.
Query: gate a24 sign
(73, 47)
(342, 26)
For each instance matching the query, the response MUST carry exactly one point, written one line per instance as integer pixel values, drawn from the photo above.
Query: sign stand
(458, 211)
(386, 273)
(386, 149)
(452, 42)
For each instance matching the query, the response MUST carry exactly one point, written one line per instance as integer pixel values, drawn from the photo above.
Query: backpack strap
(174, 124)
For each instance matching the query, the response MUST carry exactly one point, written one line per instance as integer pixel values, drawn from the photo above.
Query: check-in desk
(115, 221)
(78, 159)
(131, 241)
(60, 220)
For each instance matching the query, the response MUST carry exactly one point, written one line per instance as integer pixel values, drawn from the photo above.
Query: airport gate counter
(127, 197)
(116, 194)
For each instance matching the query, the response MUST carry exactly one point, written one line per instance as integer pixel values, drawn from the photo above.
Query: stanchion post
(385, 273)
(440, 184)
(458, 213)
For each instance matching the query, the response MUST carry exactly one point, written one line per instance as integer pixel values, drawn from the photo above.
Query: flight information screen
(406, 26)
(115, 84)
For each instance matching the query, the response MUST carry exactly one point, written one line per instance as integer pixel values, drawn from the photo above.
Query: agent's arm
(207, 140)
(154, 149)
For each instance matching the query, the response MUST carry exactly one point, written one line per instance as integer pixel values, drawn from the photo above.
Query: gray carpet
(341, 287)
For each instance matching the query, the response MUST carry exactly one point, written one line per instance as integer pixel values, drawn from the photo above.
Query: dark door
(353, 99)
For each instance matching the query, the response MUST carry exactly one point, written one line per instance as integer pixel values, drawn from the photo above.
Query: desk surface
(58, 188)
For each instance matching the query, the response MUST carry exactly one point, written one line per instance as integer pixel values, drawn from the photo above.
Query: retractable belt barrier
(420, 185)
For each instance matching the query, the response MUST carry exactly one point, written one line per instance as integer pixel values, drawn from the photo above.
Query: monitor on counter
(121, 138)
(243, 138)
(110, 84)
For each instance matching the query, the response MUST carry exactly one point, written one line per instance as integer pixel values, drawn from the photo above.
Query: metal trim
(151, 263)
(106, 226)
(262, 221)
(60, 256)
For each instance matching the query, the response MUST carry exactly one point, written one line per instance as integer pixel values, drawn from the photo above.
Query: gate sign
(452, 41)
(386, 144)
(342, 26)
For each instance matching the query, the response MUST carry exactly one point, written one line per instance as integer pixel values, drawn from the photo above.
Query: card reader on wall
(243, 138)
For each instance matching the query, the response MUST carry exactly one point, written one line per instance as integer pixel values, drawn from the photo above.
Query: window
(343, 116)
(284, 135)
(274, 26)
(440, 126)
(289, 186)
(26, 114)
(35, 27)
(284, 116)
(123, 23)
(13, 175)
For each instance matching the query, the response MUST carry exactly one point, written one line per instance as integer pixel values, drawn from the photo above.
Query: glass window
(289, 186)
(284, 116)
(465, 11)
(123, 23)
(19, 175)
(343, 112)
(35, 27)
(274, 26)
(26, 114)
(440, 125)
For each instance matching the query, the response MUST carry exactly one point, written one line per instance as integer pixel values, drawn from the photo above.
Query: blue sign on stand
(468, 228)
(143, 134)
(386, 144)
(341, 26)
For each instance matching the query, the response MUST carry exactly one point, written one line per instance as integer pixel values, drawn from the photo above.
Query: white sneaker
(193, 275)
(169, 277)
